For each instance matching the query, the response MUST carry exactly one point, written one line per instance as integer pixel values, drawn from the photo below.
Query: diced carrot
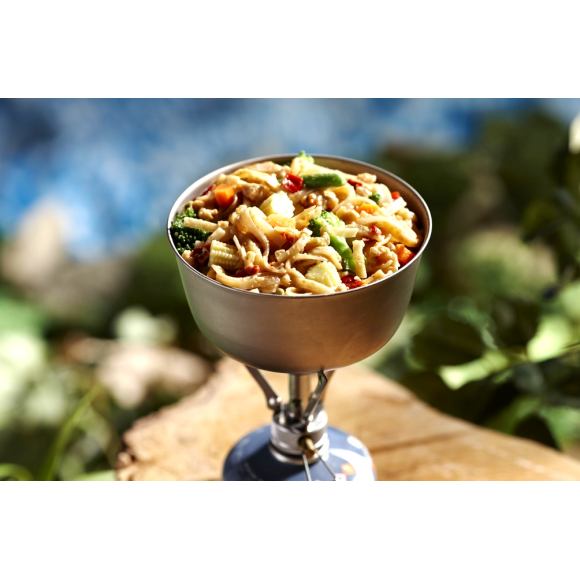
(224, 194)
(395, 195)
(369, 208)
(275, 219)
(404, 254)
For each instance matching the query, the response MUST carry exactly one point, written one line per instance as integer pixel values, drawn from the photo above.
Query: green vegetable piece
(376, 197)
(306, 156)
(185, 238)
(340, 245)
(327, 218)
(188, 211)
(318, 180)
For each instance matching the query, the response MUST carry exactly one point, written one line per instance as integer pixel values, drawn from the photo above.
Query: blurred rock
(35, 261)
(36, 252)
(130, 370)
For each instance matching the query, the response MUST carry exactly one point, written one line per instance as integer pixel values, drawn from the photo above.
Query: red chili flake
(395, 194)
(290, 240)
(351, 281)
(249, 271)
(354, 183)
(208, 189)
(200, 255)
(374, 230)
(292, 183)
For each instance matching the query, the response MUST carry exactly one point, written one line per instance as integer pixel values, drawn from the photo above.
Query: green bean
(340, 245)
(318, 180)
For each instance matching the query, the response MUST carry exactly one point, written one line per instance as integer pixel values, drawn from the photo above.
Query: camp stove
(298, 445)
(306, 337)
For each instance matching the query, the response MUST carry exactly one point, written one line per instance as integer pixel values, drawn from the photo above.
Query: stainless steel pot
(302, 334)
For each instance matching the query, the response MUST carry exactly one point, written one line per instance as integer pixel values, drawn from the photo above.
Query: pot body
(302, 334)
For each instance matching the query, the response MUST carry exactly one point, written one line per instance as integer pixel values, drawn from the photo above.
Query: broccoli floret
(184, 238)
(376, 197)
(326, 218)
(306, 156)
(188, 211)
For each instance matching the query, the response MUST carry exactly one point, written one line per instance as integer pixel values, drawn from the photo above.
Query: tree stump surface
(408, 439)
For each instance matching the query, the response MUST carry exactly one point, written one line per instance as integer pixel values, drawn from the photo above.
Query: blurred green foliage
(492, 334)
(56, 420)
(496, 332)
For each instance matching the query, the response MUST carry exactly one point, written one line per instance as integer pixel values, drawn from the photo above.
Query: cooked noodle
(297, 229)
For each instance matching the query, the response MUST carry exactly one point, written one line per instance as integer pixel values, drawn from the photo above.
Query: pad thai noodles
(296, 228)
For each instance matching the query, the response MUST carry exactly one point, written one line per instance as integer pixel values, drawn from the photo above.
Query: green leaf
(64, 435)
(13, 471)
(97, 476)
(516, 321)
(501, 396)
(477, 401)
(429, 387)
(556, 220)
(562, 378)
(444, 341)
(564, 422)
(21, 316)
(528, 378)
(523, 151)
(511, 415)
(556, 381)
(535, 428)
(566, 169)
(541, 217)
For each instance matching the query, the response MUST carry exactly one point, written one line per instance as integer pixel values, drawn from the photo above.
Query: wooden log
(408, 439)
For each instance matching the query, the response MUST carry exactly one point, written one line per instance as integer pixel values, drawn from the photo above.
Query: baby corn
(224, 255)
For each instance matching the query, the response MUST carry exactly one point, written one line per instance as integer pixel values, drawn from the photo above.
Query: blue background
(114, 167)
